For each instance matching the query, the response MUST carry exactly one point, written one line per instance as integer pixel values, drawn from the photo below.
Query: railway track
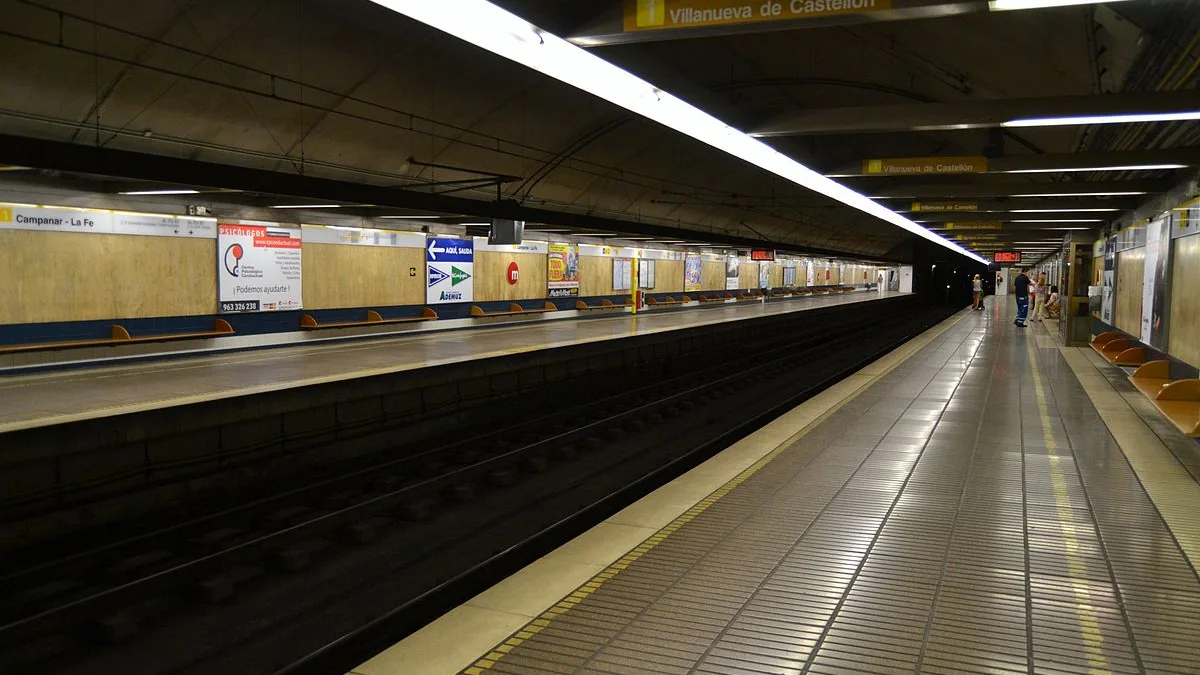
(342, 552)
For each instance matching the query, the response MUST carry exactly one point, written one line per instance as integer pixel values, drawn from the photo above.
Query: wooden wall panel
(491, 276)
(337, 276)
(712, 276)
(1184, 326)
(1130, 280)
(775, 276)
(747, 275)
(668, 276)
(64, 276)
(595, 276)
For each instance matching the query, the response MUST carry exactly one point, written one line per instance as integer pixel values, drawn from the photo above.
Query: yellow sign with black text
(981, 225)
(917, 166)
(669, 14)
(944, 207)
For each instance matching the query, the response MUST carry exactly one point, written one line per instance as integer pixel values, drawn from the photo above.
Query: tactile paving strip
(969, 513)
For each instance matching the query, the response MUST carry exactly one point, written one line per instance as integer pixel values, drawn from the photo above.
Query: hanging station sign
(909, 166)
(643, 15)
(1007, 257)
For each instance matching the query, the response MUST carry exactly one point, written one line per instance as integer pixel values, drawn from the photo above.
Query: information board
(258, 268)
(449, 270)
(562, 270)
(622, 274)
(693, 269)
(1008, 257)
(101, 221)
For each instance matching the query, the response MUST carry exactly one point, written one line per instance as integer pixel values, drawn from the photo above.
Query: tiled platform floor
(28, 401)
(970, 512)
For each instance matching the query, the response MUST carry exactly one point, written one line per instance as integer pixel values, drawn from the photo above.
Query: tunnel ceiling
(347, 90)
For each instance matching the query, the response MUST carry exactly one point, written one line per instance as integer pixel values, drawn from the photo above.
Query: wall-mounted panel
(66, 276)
(1130, 269)
(1184, 324)
(492, 278)
(362, 276)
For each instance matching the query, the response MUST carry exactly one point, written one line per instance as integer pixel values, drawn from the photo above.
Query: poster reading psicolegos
(258, 267)
(692, 269)
(562, 271)
(449, 270)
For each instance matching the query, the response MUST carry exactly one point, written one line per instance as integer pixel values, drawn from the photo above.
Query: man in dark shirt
(1021, 290)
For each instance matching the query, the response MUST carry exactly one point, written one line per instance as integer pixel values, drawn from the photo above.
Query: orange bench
(513, 310)
(307, 322)
(604, 304)
(1179, 402)
(1119, 350)
(650, 300)
(120, 336)
(1150, 377)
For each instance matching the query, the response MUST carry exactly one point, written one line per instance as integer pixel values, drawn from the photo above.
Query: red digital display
(1008, 256)
(762, 254)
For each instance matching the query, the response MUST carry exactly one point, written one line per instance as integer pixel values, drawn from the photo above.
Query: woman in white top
(1039, 300)
(977, 293)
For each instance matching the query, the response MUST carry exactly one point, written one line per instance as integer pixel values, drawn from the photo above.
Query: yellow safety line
(562, 606)
(1089, 625)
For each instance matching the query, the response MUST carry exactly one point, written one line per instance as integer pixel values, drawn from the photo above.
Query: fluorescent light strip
(1103, 119)
(1006, 5)
(306, 206)
(1134, 167)
(409, 217)
(1058, 220)
(162, 192)
(491, 28)
(1060, 210)
(1081, 194)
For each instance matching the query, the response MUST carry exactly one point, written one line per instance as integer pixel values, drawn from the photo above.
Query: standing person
(1039, 299)
(1021, 291)
(977, 292)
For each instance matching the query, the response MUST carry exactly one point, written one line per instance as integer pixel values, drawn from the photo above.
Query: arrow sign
(434, 250)
(458, 276)
(437, 276)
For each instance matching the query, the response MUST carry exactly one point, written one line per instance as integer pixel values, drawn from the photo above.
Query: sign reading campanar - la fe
(667, 14)
(449, 270)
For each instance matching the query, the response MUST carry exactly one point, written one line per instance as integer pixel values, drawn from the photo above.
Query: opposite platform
(967, 512)
(31, 401)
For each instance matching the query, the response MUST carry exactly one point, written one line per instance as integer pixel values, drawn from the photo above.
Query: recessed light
(1132, 167)
(1103, 119)
(162, 192)
(306, 206)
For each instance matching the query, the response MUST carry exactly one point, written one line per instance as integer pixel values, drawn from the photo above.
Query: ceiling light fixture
(1006, 5)
(1103, 119)
(409, 217)
(1080, 194)
(1132, 167)
(1060, 210)
(306, 206)
(1057, 220)
(489, 27)
(162, 192)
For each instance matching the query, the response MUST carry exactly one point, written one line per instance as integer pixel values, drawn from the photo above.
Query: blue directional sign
(450, 250)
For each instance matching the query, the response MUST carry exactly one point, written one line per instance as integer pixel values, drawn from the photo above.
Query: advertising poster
(449, 270)
(731, 273)
(1155, 302)
(810, 279)
(764, 274)
(692, 269)
(1108, 281)
(258, 267)
(562, 271)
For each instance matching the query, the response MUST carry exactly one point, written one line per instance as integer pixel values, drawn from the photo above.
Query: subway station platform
(981, 500)
(47, 399)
